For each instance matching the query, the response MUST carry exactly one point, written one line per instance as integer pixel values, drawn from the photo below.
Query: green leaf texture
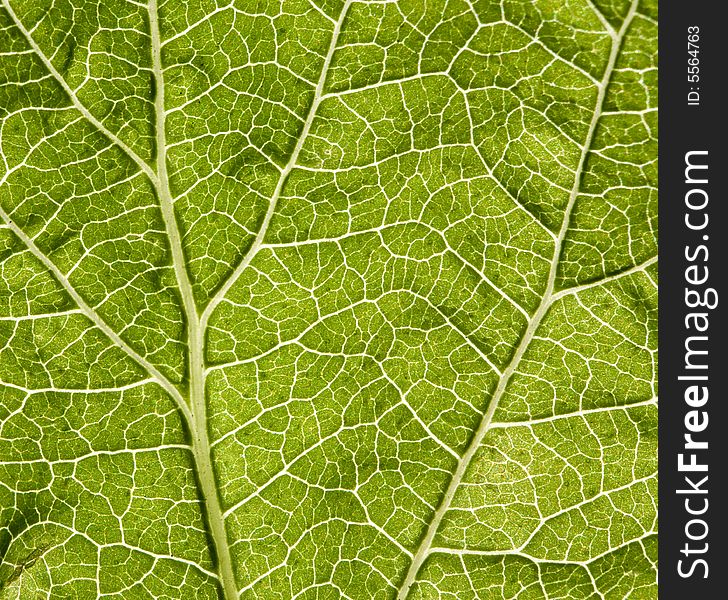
(319, 299)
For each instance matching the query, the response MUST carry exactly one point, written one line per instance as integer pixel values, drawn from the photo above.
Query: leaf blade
(401, 282)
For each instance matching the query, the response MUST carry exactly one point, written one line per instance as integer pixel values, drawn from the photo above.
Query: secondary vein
(425, 546)
(290, 165)
(141, 163)
(92, 314)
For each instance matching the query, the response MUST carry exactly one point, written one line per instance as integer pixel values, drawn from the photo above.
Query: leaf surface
(328, 299)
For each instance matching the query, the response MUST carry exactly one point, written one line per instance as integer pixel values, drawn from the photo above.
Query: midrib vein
(194, 414)
(425, 546)
(195, 334)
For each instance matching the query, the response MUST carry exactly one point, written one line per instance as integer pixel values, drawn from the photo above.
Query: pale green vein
(195, 334)
(93, 315)
(640, 268)
(572, 415)
(425, 546)
(290, 165)
(141, 163)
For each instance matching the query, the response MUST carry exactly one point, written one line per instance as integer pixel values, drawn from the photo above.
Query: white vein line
(535, 560)
(97, 453)
(541, 44)
(374, 301)
(257, 243)
(423, 550)
(442, 234)
(602, 19)
(640, 268)
(58, 390)
(385, 82)
(42, 316)
(123, 544)
(572, 415)
(74, 98)
(586, 502)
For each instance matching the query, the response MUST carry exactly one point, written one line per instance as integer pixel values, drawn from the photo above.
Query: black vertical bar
(692, 119)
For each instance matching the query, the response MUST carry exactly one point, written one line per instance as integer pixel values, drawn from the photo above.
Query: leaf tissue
(319, 299)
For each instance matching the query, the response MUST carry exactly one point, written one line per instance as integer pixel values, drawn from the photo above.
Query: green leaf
(317, 299)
